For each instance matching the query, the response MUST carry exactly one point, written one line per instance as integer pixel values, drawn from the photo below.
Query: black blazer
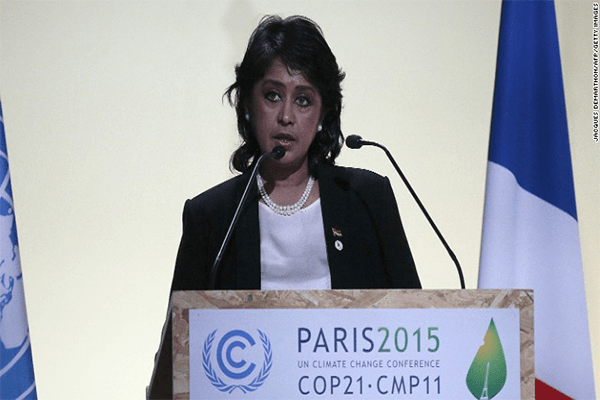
(359, 213)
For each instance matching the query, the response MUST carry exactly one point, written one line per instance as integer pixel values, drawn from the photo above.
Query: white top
(292, 250)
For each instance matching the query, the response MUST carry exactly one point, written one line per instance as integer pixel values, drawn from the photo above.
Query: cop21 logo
(237, 358)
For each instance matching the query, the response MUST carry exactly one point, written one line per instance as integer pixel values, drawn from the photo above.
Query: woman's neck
(277, 176)
(286, 185)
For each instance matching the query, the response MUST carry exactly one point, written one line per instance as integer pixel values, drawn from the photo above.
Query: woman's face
(285, 110)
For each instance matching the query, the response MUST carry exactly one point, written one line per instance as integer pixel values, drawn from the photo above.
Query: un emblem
(237, 358)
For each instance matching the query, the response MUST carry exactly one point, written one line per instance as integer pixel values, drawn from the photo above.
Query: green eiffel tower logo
(487, 374)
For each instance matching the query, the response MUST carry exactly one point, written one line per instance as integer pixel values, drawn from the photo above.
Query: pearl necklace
(284, 210)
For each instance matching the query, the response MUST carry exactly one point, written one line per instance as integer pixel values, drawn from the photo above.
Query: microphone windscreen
(354, 142)
(278, 152)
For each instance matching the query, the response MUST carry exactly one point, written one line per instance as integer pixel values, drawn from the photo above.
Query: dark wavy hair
(299, 43)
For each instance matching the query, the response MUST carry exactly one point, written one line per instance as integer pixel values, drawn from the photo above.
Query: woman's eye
(303, 101)
(272, 96)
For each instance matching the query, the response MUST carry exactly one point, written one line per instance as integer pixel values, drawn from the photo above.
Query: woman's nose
(286, 114)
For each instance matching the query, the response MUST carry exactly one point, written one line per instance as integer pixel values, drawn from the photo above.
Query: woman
(308, 224)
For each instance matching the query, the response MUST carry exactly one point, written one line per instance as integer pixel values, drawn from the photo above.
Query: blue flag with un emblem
(16, 365)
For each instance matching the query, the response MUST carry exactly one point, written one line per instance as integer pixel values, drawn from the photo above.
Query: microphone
(356, 142)
(277, 153)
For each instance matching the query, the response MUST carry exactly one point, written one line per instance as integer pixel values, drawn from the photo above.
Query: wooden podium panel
(182, 302)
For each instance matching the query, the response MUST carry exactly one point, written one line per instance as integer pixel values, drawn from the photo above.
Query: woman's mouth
(284, 139)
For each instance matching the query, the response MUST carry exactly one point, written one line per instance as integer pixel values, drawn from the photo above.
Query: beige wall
(114, 117)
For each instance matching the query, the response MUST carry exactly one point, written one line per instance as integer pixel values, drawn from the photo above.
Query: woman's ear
(320, 124)
(247, 114)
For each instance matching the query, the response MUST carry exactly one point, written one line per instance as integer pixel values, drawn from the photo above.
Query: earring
(319, 128)
(247, 117)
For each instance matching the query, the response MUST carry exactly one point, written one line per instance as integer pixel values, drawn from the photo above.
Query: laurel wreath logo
(217, 382)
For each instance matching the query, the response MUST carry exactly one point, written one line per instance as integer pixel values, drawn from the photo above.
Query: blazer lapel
(247, 240)
(333, 187)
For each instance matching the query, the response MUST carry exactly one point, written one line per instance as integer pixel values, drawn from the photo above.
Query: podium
(346, 343)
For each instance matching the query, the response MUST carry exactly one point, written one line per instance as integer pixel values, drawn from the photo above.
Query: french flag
(530, 233)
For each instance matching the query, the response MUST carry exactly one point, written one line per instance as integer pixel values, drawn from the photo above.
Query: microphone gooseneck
(277, 153)
(356, 142)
